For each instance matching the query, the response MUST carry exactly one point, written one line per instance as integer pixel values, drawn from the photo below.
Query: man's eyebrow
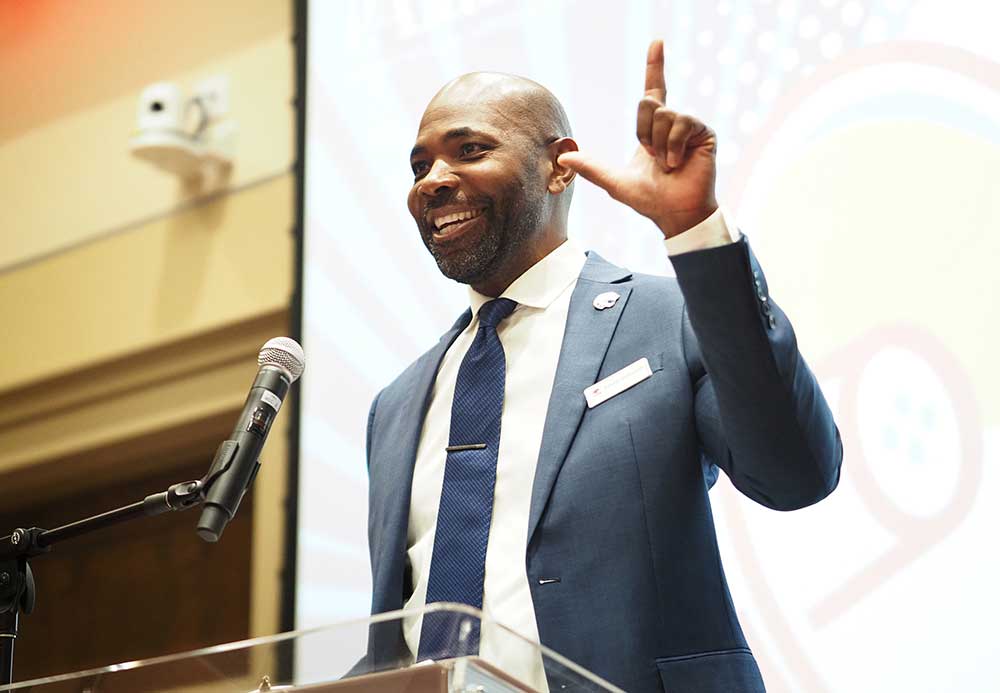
(453, 134)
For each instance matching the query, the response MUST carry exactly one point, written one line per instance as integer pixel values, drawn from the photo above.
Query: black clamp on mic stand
(17, 585)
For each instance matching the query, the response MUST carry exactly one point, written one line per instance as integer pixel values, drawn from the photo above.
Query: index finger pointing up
(656, 86)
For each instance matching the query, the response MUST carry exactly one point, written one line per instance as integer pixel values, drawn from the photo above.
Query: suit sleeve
(760, 413)
(370, 431)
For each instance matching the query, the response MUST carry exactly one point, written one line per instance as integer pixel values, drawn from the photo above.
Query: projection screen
(859, 150)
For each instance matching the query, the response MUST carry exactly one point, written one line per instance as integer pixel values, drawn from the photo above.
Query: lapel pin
(606, 300)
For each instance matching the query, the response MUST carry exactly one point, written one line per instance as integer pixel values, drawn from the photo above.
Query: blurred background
(859, 144)
(134, 302)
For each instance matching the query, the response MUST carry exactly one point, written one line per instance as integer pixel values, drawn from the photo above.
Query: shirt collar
(543, 282)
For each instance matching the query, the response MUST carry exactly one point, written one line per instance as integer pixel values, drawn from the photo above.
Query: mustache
(451, 200)
(458, 200)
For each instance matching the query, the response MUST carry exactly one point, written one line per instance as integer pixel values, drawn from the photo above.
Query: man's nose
(440, 179)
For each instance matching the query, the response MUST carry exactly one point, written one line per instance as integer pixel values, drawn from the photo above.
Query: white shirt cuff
(710, 233)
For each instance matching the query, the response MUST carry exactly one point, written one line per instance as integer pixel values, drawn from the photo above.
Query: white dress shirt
(532, 338)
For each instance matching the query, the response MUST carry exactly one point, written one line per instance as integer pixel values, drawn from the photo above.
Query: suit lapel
(404, 408)
(585, 343)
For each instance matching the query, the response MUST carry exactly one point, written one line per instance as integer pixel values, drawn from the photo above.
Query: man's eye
(419, 167)
(470, 148)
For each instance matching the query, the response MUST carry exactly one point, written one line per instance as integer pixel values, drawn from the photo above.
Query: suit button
(771, 321)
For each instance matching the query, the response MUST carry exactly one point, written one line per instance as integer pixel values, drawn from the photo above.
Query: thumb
(591, 169)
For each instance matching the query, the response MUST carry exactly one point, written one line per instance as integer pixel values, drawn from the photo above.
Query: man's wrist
(677, 223)
(712, 232)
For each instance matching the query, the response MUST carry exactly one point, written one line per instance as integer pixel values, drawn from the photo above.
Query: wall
(134, 303)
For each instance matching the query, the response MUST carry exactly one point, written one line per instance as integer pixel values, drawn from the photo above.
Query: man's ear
(561, 176)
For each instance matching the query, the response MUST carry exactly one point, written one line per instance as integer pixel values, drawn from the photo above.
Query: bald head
(527, 105)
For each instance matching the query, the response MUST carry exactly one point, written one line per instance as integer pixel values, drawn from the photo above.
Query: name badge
(616, 383)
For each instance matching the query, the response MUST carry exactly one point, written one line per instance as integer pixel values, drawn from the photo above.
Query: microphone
(235, 465)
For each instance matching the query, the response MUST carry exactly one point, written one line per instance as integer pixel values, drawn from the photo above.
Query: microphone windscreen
(285, 353)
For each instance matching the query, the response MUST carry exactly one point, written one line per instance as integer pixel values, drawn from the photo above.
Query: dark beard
(509, 224)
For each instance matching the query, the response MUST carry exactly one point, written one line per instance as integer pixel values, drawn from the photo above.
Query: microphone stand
(17, 585)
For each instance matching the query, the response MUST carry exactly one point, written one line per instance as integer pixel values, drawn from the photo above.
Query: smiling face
(480, 195)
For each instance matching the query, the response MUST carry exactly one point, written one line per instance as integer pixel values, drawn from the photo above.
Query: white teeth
(457, 216)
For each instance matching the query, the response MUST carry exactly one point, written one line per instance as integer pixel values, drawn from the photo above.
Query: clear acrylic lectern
(339, 659)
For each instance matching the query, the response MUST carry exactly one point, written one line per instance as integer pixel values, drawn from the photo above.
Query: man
(578, 518)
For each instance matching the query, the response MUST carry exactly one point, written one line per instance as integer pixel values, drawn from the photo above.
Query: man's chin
(467, 265)
(463, 275)
(466, 268)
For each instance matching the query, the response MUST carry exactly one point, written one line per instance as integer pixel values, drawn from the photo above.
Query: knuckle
(644, 116)
(663, 115)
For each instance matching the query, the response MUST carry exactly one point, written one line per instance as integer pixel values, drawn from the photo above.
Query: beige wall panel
(218, 263)
(91, 51)
(185, 399)
(74, 179)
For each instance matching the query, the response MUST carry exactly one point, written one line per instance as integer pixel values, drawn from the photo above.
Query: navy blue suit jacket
(620, 509)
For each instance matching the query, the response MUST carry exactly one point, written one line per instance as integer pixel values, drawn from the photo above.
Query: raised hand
(671, 177)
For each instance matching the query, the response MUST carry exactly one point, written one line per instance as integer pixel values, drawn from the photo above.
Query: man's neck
(498, 282)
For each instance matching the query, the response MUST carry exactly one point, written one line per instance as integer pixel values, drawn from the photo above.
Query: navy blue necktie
(458, 562)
